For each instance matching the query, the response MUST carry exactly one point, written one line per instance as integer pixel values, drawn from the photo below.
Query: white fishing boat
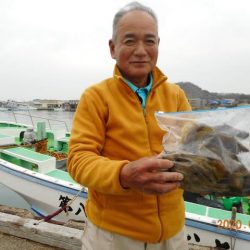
(40, 178)
(47, 189)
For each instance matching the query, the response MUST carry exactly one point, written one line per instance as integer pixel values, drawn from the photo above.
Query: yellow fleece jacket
(110, 128)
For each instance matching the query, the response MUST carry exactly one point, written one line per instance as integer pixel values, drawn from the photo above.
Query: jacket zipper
(146, 122)
(157, 197)
(161, 232)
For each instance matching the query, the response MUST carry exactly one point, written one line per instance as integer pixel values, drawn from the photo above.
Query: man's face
(135, 47)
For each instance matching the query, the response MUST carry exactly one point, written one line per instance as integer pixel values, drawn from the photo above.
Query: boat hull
(44, 194)
(47, 194)
(209, 235)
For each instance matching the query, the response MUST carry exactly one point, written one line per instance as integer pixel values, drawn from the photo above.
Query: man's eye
(129, 42)
(150, 42)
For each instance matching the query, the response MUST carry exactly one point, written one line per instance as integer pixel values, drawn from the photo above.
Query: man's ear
(158, 40)
(112, 48)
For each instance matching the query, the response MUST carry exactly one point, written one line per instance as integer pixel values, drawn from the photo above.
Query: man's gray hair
(128, 8)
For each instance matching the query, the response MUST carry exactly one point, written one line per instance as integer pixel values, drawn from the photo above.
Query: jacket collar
(158, 76)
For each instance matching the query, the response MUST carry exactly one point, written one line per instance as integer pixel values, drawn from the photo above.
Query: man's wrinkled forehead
(134, 35)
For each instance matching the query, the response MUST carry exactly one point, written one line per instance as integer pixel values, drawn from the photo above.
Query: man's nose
(140, 49)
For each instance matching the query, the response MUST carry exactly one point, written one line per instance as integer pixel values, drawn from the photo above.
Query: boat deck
(44, 162)
(62, 175)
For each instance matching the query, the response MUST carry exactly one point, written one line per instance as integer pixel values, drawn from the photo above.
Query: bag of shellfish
(211, 148)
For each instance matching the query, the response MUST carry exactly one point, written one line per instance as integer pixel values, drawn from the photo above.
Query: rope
(41, 146)
(57, 155)
(50, 216)
(232, 242)
(233, 219)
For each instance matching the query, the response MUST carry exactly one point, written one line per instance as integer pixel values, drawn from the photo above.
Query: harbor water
(53, 119)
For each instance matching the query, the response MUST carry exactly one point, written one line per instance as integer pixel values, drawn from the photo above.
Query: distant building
(71, 105)
(222, 103)
(47, 104)
(229, 102)
(40, 104)
(197, 103)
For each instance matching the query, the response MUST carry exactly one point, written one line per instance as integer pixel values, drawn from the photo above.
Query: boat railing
(49, 121)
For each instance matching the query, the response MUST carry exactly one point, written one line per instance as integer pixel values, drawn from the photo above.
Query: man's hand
(147, 175)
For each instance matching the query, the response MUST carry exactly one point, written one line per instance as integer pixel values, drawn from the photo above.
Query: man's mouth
(139, 62)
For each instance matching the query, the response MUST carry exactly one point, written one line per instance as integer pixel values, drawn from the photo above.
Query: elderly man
(133, 202)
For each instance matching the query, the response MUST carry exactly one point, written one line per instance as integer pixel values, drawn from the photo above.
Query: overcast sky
(54, 49)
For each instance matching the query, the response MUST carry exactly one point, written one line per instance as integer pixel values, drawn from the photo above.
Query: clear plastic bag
(211, 148)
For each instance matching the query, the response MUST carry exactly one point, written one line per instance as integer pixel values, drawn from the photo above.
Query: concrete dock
(19, 230)
(9, 242)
